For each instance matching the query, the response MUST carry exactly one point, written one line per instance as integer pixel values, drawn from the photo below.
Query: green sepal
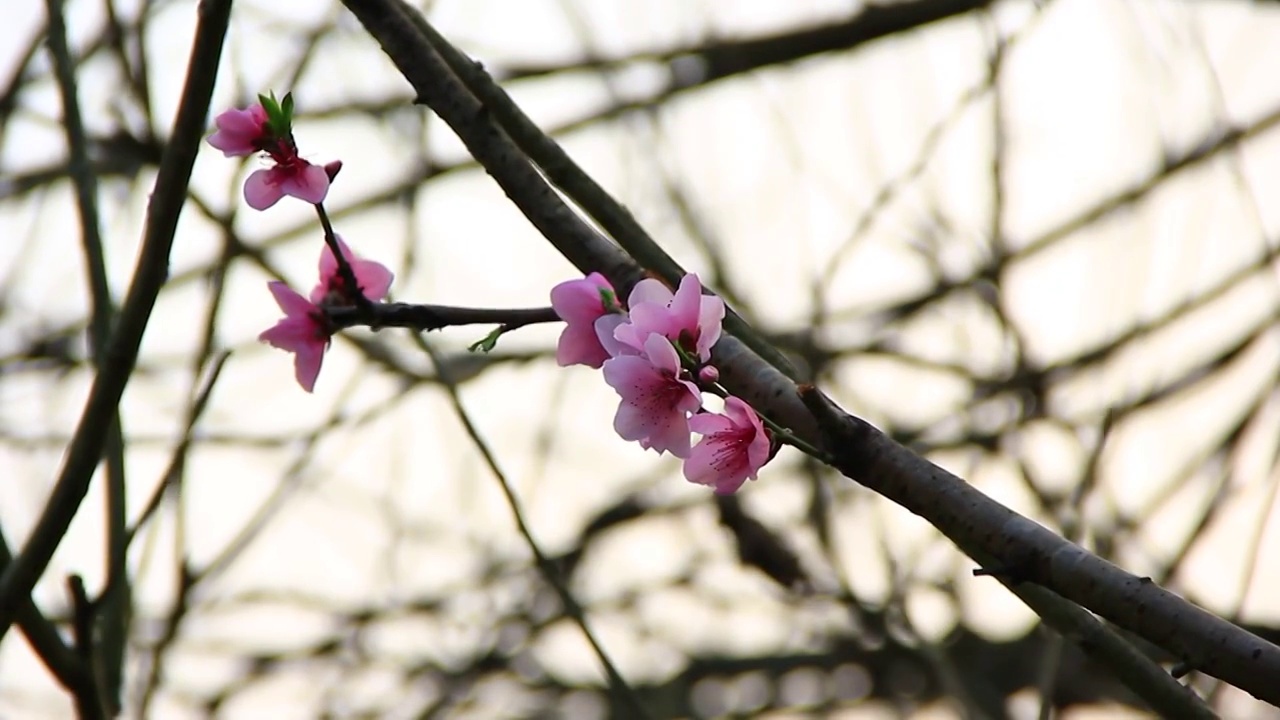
(609, 300)
(279, 114)
(487, 344)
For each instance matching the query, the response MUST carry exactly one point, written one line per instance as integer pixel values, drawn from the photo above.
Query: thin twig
(177, 461)
(121, 353)
(617, 684)
(44, 638)
(114, 608)
(88, 695)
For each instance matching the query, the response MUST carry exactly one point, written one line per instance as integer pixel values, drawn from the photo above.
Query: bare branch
(1019, 546)
(122, 351)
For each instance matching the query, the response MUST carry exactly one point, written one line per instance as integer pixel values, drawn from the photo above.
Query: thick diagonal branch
(1022, 550)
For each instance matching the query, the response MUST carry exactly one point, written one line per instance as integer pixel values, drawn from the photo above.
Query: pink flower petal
(633, 376)
(579, 345)
(672, 437)
(688, 317)
(579, 304)
(579, 300)
(238, 131)
(698, 466)
(649, 290)
(293, 304)
(655, 402)
(301, 331)
(328, 264)
(606, 328)
(733, 448)
(284, 335)
(662, 354)
(373, 277)
(309, 183)
(644, 320)
(710, 423)
(261, 190)
(306, 365)
(685, 304)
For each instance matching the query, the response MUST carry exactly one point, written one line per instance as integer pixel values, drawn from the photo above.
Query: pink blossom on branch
(655, 403)
(303, 331)
(686, 317)
(733, 448)
(291, 176)
(267, 127)
(373, 277)
(240, 132)
(580, 304)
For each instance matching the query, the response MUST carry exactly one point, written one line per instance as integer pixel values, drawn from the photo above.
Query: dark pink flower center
(730, 448)
(337, 293)
(281, 149)
(663, 398)
(673, 392)
(688, 340)
(320, 324)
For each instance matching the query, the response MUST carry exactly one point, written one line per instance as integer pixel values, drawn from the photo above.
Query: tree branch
(978, 525)
(565, 174)
(717, 59)
(1022, 551)
(434, 317)
(121, 353)
(114, 607)
(88, 694)
(44, 637)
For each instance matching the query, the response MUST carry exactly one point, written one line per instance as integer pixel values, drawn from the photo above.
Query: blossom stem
(344, 268)
(790, 438)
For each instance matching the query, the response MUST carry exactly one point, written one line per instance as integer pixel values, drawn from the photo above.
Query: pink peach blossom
(254, 129)
(291, 176)
(303, 331)
(240, 132)
(580, 304)
(687, 317)
(373, 277)
(655, 403)
(733, 448)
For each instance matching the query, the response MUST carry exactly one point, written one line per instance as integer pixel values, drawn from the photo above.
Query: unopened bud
(332, 169)
(708, 374)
